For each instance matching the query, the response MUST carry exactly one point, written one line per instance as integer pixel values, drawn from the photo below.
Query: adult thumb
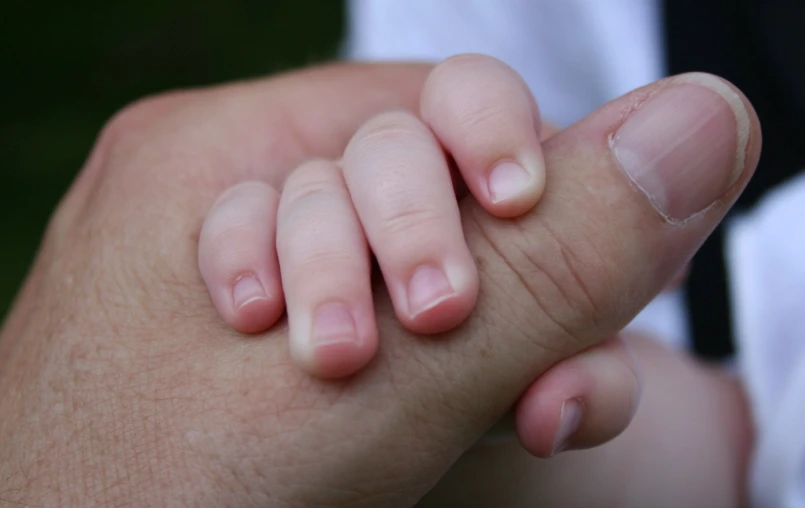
(632, 192)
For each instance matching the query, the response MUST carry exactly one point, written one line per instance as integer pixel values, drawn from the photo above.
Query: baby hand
(395, 194)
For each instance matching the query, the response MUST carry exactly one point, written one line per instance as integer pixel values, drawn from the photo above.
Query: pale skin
(120, 385)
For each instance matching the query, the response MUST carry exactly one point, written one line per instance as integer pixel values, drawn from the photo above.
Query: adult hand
(119, 383)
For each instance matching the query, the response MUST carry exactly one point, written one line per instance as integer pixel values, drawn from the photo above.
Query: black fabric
(759, 45)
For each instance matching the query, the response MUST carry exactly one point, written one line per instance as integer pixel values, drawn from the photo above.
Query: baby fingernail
(507, 180)
(333, 324)
(569, 422)
(428, 287)
(247, 289)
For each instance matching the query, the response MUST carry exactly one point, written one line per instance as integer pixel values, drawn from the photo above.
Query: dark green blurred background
(66, 67)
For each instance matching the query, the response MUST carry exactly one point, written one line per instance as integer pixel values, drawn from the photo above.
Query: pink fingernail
(333, 324)
(569, 422)
(507, 180)
(247, 289)
(685, 146)
(428, 287)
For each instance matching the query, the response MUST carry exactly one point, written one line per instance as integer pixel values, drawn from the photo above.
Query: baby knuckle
(386, 128)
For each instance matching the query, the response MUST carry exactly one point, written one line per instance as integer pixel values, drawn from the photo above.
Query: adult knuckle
(123, 131)
(131, 147)
(138, 116)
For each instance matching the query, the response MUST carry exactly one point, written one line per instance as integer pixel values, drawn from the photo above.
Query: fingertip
(326, 273)
(337, 360)
(243, 302)
(439, 300)
(571, 417)
(515, 187)
(237, 257)
(334, 342)
(253, 309)
(537, 418)
(582, 402)
(442, 317)
(401, 186)
(486, 117)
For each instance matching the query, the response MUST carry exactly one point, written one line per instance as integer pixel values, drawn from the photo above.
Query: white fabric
(575, 56)
(766, 257)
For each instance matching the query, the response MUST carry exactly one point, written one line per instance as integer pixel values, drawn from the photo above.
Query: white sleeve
(574, 54)
(766, 261)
